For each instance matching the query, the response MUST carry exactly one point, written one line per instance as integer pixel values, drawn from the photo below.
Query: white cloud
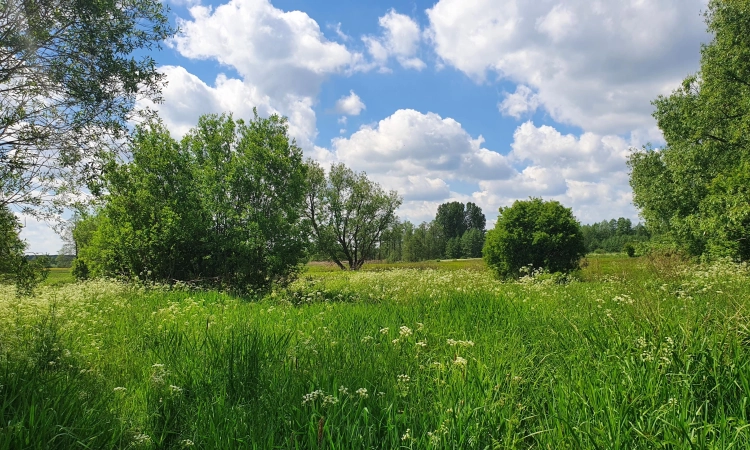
(351, 105)
(282, 59)
(337, 29)
(593, 64)
(519, 103)
(400, 39)
(423, 155)
(280, 52)
(39, 236)
(411, 143)
(586, 172)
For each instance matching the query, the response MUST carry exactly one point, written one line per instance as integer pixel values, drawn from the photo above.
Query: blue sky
(471, 100)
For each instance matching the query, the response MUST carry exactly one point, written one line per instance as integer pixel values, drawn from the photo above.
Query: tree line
(612, 236)
(206, 209)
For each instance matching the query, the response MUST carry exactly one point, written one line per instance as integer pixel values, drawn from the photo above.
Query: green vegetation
(613, 236)
(456, 232)
(222, 208)
(348, 213)
(646, 353)
(15, 267)
(71, 73)
(534, 235)
(696, 189)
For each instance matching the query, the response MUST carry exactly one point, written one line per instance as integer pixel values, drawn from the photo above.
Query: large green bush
(535, 233)
(221, 208)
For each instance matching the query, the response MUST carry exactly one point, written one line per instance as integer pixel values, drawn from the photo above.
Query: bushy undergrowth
(629, 358)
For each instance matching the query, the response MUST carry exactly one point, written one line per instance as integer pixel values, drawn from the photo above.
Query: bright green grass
(375, 266)
(57, 276)
(644, 354)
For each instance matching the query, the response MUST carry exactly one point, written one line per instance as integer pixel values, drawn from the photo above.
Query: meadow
(629, 353)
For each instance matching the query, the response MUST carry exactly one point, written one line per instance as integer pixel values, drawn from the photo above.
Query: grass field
(57, 276)
(633, 353)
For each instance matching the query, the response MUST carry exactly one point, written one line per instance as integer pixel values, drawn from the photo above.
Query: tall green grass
(640, 354)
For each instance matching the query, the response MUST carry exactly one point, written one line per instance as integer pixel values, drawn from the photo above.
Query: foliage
(71, 73)
(534, 234)
(452, 217)
(474, 218)
(223, 207)
(430, 240)
(390, 359)
(348, 213)
(683, 189)
(26, 273)
(472, 242)
(613, 235)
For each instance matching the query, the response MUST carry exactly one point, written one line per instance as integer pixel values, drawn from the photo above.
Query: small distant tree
(474, 218)
(348, 213)
(534, 233)
(452, 217)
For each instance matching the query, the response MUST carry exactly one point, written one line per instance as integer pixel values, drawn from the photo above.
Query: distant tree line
(457, 231)
(612, 236)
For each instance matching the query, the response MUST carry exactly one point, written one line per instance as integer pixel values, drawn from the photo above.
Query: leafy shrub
(537, 234)
(79, 269)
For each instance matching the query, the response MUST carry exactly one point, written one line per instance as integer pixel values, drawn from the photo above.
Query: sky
(487, 101)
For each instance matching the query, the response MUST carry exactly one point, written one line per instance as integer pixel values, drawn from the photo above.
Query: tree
(683, 189)
(223, 207)
(534, 233)
(71, 73)
(474, 218)
(451, 217)
(471, 243)
(348, 213)
(453, 248)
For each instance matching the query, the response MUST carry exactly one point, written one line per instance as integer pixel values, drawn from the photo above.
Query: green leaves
(71, 72)
(14, 266)
(534, 233)
(684, 189)
(222, 207)
(348, 213)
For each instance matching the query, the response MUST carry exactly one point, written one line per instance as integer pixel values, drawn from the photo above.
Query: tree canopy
(222, 207)
(534, 233)
(348, 213)
(71, 73)
(695, 189)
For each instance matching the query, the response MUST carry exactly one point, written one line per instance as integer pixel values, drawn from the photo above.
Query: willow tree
(348, 213)
(71, 73)
(696, 189)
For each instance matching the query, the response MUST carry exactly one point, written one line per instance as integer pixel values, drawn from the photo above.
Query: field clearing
(58, 276)
(643, 353)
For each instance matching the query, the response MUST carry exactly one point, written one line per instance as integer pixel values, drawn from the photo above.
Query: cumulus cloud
(596, 65)
(400, 39)
(409, 142)
(282, 58)
(523, 101)
(586, 172)
(350, 105)
(422, 154)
